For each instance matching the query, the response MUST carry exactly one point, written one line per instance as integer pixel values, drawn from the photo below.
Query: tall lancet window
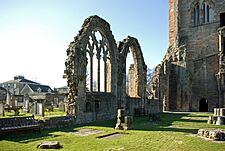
(98, 63)
(206, 13)
(197, 15)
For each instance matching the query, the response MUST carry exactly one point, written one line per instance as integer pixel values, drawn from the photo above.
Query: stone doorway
(203, 105)
(222, 19)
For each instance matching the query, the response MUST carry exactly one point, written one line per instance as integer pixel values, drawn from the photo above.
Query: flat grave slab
(87, 132)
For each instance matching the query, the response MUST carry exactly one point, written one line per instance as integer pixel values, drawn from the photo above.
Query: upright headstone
(61, 106)
(8, 99)
(40, 109)
(14, 103)
(2, 113)
(128, 122)
(26, 104)
(34, 108)
(120, 119)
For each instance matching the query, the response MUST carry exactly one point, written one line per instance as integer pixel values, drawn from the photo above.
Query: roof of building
(20, 79)
(27, 81)
(39, 87)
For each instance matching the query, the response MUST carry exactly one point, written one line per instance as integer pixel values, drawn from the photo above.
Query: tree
(150, 75)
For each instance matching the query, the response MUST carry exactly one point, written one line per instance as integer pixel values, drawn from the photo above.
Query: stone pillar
(2, 113)
(98, 73)
(91, 70)
(131, 82)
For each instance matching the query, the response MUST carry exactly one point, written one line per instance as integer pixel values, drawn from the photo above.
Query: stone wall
(191, 62)
(57, 122)
(97, 106)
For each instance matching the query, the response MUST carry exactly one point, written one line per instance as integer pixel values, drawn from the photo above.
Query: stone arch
(140, 68)
(76, 62)
(88, 107)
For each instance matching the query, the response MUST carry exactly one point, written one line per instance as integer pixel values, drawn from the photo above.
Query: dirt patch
(87, 132)
(112, 135)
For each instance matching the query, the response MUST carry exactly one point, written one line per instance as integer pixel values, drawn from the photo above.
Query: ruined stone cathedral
(191, 75)
(97, 80)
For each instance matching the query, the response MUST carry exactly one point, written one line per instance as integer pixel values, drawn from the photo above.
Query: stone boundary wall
(57, 122)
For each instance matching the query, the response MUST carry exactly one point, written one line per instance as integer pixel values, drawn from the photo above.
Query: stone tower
(173, 21)
(191, 72)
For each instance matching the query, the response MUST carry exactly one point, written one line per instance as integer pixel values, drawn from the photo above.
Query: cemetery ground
(53, 113)
(175, 131)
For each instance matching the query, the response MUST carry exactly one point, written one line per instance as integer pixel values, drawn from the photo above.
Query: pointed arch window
(206, 13)
(98, 63)
(194, 16)
(197, 15)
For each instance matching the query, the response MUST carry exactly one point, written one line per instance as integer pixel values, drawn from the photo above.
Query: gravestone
(40, 109)
(8, 99)
(34, 108)
(120, 119)
(123, 122)
(128, 122)
(26, 105)
(61, 106)
(2, 113)
(14, 103)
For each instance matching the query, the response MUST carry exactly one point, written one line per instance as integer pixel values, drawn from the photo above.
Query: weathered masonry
(96, 74)
(191, 75)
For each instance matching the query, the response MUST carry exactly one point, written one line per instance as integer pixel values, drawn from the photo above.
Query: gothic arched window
(197, 15)
(206, 13)
(98, 63)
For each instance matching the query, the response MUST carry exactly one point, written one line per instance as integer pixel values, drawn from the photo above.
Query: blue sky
(34, 34)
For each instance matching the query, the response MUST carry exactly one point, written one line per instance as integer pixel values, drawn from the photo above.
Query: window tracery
(98, 62)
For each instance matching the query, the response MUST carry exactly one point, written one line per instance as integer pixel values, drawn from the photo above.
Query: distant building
(3, 94)
(61, 90)
(20, 86)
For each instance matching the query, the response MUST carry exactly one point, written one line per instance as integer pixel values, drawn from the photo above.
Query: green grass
(173, 133)
(55, 112)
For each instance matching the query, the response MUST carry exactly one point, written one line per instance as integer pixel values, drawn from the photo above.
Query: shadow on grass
(139, 124)
(27, 137)
(165, 124)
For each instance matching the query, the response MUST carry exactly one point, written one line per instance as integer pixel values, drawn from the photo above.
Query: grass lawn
(173, 133)
(48, 114)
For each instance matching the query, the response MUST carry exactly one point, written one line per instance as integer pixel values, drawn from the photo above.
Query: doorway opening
(222, 19)
(203, 105)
